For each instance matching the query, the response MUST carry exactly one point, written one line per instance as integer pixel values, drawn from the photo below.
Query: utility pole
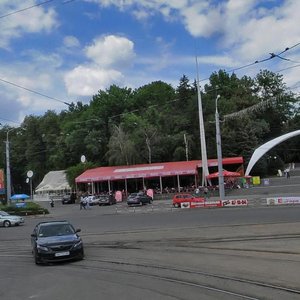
(8, 176)
(219, 153)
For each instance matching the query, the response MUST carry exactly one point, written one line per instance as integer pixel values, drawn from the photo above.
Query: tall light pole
(219, 153)
(8, 176)
(202, 133)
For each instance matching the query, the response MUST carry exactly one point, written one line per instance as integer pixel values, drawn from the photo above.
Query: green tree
(76, 170)
(121, 150)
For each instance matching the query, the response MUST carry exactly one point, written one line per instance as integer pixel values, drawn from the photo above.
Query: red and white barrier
(235, 202)
(283, 200)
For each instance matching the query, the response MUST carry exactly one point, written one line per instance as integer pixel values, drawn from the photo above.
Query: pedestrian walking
(287, 172)
(205, 191)
(82, 203)
(87, 201)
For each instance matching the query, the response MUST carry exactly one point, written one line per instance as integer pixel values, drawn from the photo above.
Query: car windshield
(3, 213)
(133, 195)
(55, 230)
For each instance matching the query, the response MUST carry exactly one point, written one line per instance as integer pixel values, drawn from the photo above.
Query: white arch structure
(260, 151)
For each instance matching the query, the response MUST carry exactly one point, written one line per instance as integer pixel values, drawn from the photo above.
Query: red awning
(149, 170)
(139, 171)
(225, 174)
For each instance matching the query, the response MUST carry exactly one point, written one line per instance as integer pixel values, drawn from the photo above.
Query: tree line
(157, 123)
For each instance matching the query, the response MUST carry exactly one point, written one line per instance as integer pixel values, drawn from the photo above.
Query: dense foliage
(31, 208)
(157, 123)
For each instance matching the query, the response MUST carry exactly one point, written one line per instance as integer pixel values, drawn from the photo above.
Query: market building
(158, 176)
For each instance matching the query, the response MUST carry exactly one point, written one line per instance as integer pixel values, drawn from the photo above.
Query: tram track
(188, 277)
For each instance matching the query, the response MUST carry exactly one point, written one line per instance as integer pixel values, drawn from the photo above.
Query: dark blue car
(55, 241)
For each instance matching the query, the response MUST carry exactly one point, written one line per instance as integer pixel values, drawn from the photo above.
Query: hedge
(31, 208)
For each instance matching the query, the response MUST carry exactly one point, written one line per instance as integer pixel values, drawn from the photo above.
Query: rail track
(215, 283)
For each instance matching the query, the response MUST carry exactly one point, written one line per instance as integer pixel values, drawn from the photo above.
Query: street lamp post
(219, 153)
(8, 176)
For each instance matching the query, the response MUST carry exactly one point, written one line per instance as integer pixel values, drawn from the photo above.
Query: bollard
(152, 207)
(116, 209)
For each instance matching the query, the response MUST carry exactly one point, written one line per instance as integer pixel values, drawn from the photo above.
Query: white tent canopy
(54, 181)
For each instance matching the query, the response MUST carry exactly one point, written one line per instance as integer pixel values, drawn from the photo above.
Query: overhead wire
(32, 6)
(296, 66)
(35, 92)
(22, 87)
(272, 56)
(26, 8)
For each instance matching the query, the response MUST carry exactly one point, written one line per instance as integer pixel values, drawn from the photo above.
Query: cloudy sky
(56, 51)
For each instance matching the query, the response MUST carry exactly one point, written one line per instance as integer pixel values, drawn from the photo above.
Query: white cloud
(108, 55)
(35, 20)
(88, 80)
(111, 51)
(237, 33)
(259, 31)
(247, 28)
(71, 42)
(35, 71)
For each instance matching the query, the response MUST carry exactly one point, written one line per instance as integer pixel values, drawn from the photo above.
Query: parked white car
(92, 200)
(7, 220)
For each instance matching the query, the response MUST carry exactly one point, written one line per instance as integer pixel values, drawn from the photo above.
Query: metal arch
(260, 151)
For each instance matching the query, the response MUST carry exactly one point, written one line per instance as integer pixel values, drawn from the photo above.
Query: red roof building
(148, 171)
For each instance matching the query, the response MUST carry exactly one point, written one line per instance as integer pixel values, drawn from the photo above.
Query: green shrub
(31, 208)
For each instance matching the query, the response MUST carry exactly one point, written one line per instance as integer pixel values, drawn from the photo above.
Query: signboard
(118, 196)
(2, 179)
(2, 182)
(197, 204)
(21, 204)
(256, 180)
(150, 193)
(235, 202)
(217, 203)
(185, 205)
(283, 200)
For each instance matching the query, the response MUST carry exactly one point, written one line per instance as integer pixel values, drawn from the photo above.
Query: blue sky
(69, 50)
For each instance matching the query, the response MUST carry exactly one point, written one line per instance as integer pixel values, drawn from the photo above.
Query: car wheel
(6, 223)
(81, 257)
(176, 205)
(36, 259)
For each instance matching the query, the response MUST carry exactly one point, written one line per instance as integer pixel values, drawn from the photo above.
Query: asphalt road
(156, 252)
